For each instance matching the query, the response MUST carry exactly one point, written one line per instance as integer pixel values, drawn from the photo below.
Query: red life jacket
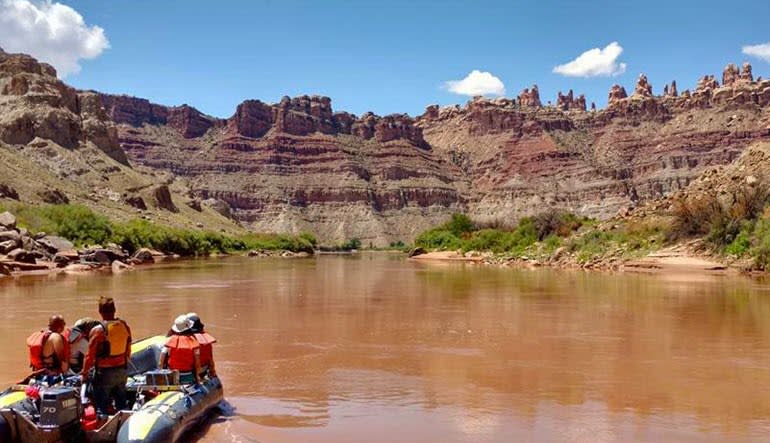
(206, 340)
(37, 360)
(181, 352)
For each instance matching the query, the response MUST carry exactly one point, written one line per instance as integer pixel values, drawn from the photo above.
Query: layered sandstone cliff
(59, 145)
(297, 165)
(522, 157)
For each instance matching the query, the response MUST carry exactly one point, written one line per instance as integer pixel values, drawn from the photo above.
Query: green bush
(489, 240)
(437, 239)
(83, 227)
(761, 250)
(459, 225)
(591, 245)
(741, 245)
(720, 220)
(555, 222)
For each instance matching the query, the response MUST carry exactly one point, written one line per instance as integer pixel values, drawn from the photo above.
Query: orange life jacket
(112, 352)
(205, 340)
(181, 352)
(35, 343)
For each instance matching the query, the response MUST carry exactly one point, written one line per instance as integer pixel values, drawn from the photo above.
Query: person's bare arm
(212, 369)
(163, 358)
(57, 342)
(197, 364)
(128, 347)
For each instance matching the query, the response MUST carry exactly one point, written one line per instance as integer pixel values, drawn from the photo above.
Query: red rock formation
(530, 98)
(398, 126)
(616, 94)
(190, 122)
(134, 111)
(746, 74)
(707, 82)
(643, 87)
(252, 119)
(730, 74)
(569, 102)
(37, 104)
(672, 92)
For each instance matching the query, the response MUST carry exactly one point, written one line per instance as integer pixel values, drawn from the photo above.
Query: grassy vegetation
(544, 232)
(624, 240)
(84, 227)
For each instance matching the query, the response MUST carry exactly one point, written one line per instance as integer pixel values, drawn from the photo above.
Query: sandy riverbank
(675, 260)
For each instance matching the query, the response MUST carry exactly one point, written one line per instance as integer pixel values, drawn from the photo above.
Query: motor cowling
(59, 407)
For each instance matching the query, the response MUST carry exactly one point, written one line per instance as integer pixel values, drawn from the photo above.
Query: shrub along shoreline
(731, 228)
(84, 227)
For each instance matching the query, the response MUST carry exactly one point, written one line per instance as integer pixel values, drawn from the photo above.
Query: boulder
(7, 220)
(163, 198)
(416, 251)
(10, 235)
(8, 246)
(61, 260)
(119, 266)
(219, 206)
(103, 256)
(136, 202)
(54, 197)
(22, 256)
(194, 204)
(8, 192)
(54, 244)
(143, 256)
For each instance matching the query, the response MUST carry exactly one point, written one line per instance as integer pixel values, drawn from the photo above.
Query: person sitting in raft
(206, 342)
(78, 341)
(48, 350)
(182, 351)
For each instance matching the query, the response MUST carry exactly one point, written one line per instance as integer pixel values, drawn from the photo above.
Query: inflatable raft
(160, 409)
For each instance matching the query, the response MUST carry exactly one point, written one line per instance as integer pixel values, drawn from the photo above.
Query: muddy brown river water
(375, 348)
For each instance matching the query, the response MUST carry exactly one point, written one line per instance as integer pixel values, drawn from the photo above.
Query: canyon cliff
(297, 165)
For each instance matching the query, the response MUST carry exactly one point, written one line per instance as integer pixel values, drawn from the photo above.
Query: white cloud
(476, 83)
(51, 32)
(594, 63)
(759, 51)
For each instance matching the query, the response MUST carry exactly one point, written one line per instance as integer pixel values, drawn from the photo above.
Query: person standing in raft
(182, 351)
(206, 342)
(48, 349)
(109, 348)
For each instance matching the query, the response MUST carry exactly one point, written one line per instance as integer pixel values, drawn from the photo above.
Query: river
(377, 348)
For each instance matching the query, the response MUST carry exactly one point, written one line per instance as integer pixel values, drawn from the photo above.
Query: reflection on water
(376, 348)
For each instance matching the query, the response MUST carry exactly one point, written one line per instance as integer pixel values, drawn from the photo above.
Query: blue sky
(396, 56)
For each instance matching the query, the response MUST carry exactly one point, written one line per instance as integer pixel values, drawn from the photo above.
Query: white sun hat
(182, 324)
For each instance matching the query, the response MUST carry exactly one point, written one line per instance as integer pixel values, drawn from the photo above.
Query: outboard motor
(60, 409)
